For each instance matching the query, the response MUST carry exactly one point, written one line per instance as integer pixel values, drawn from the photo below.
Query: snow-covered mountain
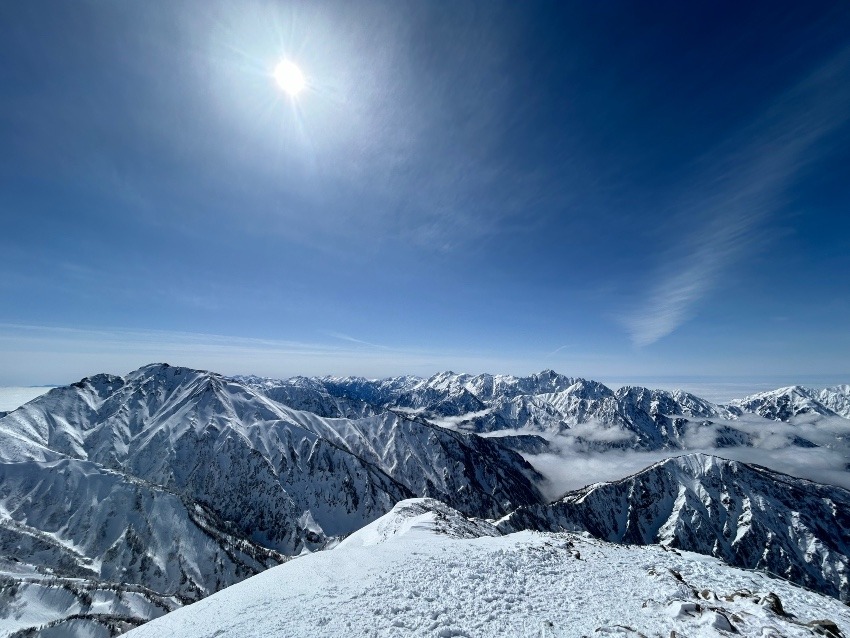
(264, 464)
(185, 482)
(785, 403)
(552, 404)
(425, 570)
(171, 483)
(745, 515)
(564, 425)
(107, 548)
(836, 398)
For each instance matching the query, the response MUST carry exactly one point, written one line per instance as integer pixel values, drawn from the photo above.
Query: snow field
(524, 584)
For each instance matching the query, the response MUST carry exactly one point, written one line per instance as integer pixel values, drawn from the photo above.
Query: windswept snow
(417, 581)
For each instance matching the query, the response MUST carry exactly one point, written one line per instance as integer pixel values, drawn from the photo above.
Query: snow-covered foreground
(424, 570)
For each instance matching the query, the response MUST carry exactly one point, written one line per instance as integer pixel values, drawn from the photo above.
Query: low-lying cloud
(575, 462)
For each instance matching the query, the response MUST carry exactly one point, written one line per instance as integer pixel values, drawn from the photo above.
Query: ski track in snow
(525, 584)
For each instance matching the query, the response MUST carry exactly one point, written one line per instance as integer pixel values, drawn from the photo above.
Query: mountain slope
(45, 605)
(423, 570)
(836, 398)
(262, 464)
(96, 476)
(108, 549)
(184, 482)
(85, 522)
(746, 515)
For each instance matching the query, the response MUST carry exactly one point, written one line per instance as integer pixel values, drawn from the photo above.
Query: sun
(289, 78)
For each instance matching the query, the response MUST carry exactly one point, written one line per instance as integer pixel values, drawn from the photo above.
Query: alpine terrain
(426, 570)
(125, 498)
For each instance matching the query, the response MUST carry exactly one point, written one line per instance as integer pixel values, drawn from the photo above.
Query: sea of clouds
(13, 397)
(810, 446)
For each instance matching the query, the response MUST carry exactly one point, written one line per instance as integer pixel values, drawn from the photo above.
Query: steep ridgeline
(550, 403)
(745, 515)
(185, 482)
(309, 395)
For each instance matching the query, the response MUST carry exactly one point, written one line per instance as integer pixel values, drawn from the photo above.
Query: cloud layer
(574, 463)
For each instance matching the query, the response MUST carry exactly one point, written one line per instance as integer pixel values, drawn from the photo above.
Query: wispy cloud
(744, 185)
(345, 337)
(557, 350)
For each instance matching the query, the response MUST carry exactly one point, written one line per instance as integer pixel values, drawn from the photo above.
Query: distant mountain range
(169, 484)
(548, 403)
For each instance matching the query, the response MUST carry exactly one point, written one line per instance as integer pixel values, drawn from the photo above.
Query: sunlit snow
(424, 575)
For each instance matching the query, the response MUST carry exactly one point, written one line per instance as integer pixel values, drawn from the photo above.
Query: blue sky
(612, 189)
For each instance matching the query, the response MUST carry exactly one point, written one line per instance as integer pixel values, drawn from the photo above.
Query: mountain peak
(416, 516)
(697, 463)
(784, 403)
(166, 369)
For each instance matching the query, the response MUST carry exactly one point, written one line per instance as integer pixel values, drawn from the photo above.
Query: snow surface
(417, 579)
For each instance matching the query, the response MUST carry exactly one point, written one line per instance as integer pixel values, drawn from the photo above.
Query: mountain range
(122, 498)
(550, 403)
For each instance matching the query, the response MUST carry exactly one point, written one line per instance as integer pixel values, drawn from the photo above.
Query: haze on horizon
(617, 191)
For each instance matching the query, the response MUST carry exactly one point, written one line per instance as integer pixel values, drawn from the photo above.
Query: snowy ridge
(419, 516)
(784, 403)
(836, 398)
(73, 606)
(424, 583)
(746, 515)
(189, 430)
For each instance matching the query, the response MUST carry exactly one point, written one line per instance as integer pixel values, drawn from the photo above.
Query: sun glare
(289, 78)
